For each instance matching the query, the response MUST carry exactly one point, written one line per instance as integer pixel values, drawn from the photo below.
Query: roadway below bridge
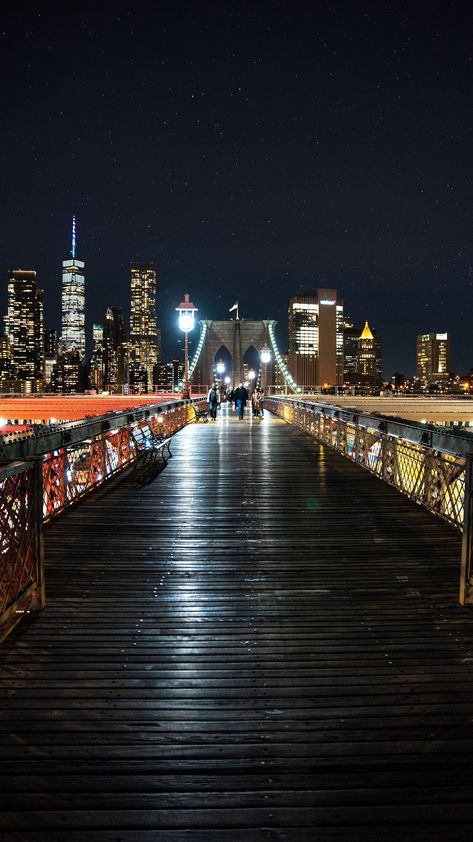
(262, 642)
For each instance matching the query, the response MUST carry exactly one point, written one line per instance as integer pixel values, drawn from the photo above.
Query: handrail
(72, 432)
(430, 466)
(438, 438)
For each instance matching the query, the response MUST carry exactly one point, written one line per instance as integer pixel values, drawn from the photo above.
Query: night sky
(254, 152)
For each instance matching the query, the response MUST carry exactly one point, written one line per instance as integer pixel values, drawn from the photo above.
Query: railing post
(466, 557)
(384, 455)
(40, 595)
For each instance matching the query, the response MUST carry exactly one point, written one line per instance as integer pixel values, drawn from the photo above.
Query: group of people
(239, 398)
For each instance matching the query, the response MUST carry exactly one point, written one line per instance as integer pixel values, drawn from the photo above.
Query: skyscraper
(369, 358)
(96, 364)
(433, 358)
(73, 301)
(303, 339)
(39, 335)
(24, 327)
(143, 326)
(316, 339)
(50, 356)
(5, 363)
(330, 337)
(115, 348)
(351, 338)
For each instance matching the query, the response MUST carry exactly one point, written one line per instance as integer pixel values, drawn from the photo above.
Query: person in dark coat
(240, 396)
(213, 399)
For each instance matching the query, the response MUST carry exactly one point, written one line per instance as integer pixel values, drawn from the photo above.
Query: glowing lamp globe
(265, 355)
(220, 367)
(186, 321)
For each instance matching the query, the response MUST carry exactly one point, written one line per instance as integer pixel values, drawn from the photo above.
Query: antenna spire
(73, 249)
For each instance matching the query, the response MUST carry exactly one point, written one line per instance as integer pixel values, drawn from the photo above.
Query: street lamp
(220, 367)
(251, 377)
(265, 355)
(186, 312)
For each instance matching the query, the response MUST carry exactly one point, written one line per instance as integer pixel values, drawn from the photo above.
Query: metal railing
(430, 465)
(43, 474)
(21, 543)
(71, 472)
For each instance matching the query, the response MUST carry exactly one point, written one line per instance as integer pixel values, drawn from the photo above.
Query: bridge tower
(237, 336)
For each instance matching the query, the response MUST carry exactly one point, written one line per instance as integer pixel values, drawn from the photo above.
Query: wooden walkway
(264, 643)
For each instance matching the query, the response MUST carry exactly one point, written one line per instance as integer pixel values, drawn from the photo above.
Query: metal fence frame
(430, 465)
(21, 543)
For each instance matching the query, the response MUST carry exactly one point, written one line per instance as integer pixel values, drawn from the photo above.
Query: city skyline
(168, 352)
(251, 157)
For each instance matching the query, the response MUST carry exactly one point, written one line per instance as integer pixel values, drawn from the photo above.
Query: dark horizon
(249, 156)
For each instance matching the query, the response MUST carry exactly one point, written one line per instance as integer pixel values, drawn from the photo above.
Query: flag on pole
(235, 307)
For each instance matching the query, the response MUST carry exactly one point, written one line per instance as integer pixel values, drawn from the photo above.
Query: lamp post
(265, 355)
(186, 312)
(251, 377)
(220, 368)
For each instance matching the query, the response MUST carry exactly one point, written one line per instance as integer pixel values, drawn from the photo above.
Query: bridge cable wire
(195, 358)
(280, 362)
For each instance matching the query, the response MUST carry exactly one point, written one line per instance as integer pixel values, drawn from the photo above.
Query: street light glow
(186, 321)
(265, 355)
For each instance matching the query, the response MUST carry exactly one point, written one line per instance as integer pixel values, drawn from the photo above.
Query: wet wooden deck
(264, 643)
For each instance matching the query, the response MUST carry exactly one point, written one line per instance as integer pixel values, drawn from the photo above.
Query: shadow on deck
(264, 643)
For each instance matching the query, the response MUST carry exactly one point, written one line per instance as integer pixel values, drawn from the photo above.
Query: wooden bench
(149, 445)
(201, 414)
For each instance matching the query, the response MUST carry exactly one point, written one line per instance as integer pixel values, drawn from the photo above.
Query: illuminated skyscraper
(5, 363)
(96, 361)
(316, 339)
(143, 326)
(24, 327)
(433, 358)
(97, 338)
(369, 358)
(351, 338)
(73, 301)
(39, 335)
(50, 356)
(330, 349)
(303, 339)
(115, 348)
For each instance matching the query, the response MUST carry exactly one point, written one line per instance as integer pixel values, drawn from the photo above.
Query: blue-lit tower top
(73, 247)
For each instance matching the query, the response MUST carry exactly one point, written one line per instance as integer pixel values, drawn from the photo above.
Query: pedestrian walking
(255, 403)
(261, 403)
(212, 399)
(240, 396)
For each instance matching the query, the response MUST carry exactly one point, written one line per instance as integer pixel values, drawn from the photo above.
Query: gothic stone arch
(237, 335)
